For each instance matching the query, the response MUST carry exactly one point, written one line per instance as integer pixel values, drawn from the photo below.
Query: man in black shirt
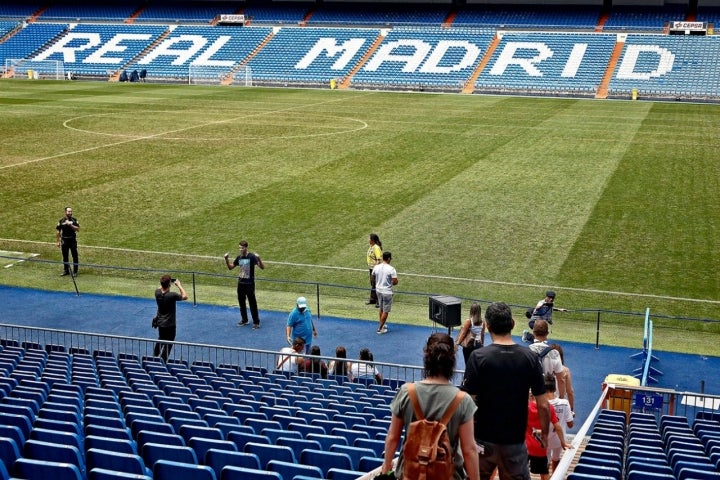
(66, 238)
(499, 378)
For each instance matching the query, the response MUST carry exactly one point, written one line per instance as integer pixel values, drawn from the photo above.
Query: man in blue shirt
(300, 324)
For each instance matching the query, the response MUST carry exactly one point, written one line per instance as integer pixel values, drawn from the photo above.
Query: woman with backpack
(436, 413)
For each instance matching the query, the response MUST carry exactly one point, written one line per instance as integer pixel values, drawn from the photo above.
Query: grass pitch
(612, 204)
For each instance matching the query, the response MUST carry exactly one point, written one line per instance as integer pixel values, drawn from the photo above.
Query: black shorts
(538, 465)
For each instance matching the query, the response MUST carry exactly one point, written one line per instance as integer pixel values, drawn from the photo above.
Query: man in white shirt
(286, 362)
(385, 277)
(550, 358)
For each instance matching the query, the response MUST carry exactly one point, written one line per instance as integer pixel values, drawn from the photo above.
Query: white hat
(301, 302)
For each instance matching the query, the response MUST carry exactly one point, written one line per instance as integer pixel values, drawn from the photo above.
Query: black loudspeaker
(445, 310)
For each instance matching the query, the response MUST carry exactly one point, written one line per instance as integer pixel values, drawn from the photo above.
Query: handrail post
(597, 331)
(193, 290)
(317, 296)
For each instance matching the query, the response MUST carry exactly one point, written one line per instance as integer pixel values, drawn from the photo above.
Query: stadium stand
(409, 47)
(119, 430)
(524, 16)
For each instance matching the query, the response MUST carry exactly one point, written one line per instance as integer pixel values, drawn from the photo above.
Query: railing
(92, 343)
(657, 401)
(200, 289)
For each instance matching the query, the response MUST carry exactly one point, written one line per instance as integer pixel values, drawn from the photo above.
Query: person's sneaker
(382, 331)
(526, 336)
(256, 326)
(242, 324)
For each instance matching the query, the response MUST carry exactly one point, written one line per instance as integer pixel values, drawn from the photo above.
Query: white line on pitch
(408, 274)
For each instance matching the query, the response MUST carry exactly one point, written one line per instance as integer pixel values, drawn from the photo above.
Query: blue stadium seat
(202, 445)
(169, 470)
(241, 439)
(113, 444)
(190, 431)
(42, 469)
(327, 441)
(52, 452)
(326, 460)
(298, 445)
(9, 451)
(369, 463)
(12, 432)
(53, 436)
(274, 433)
(609, 472)
(292, 470)
(152, 452)
(100, 431)
(342, 474)
(226, 428)
(218, 459)
(265, 453)
(240, 473)
(355, 454)
(147, 436)
(351, 435)
(103, 474)
(377, 446)
(121, 462)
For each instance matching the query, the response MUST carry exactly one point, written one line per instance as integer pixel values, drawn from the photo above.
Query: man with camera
(542, 311)
(165, 319)
(66, 238)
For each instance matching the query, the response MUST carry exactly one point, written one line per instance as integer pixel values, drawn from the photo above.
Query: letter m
(329, 46)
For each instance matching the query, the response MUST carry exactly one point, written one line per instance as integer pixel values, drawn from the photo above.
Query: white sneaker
(382, 331)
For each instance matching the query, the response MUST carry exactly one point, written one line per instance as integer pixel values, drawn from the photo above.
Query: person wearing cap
(385, 278)
(300, 324)
(542, 311)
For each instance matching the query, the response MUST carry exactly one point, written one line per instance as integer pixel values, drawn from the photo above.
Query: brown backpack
(428, 453)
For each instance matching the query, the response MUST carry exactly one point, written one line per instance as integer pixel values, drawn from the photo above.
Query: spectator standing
(246, 261)
(364, 370)
(551, 362)
(569, 390)
(167, 314)
(341, 366)
(314, 364)
(374, 257)
(435, 394)
(472, 333)
(556, 441)
(300, 324)
(385, 278)
(499, 377)
(286, 361)
(536, 446)
(66, 238)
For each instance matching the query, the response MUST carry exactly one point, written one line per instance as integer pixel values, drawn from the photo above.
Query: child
(556, 441)
(537, 451)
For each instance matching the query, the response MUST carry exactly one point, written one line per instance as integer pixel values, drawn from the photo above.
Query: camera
(173, 280)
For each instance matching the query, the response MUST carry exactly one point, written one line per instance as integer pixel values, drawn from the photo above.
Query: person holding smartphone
(166, 314)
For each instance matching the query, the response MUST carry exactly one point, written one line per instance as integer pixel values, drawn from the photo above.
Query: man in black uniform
(66, 238)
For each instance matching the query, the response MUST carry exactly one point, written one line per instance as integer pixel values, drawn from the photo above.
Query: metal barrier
(657, 401)
(72, 341)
